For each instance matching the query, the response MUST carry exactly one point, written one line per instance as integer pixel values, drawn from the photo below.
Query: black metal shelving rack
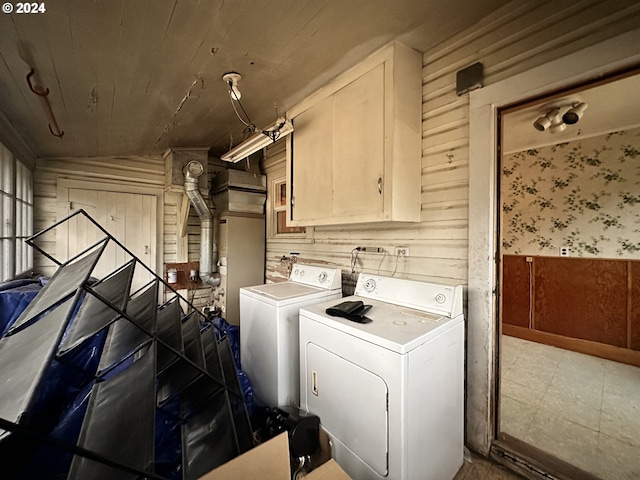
(156, 363)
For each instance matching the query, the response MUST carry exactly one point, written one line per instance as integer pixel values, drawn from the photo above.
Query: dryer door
(351, 403)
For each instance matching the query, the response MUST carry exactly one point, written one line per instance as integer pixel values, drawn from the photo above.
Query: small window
(280, 209)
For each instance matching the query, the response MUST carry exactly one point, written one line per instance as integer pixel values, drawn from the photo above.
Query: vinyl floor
(582, 409)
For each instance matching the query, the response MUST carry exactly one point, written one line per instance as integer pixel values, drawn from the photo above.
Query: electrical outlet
(564, 251)
(402, 252)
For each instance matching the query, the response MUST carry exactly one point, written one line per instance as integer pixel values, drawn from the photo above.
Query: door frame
(482, 329)
(63, 186)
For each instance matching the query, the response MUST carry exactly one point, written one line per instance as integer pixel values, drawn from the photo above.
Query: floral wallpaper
(583, 195)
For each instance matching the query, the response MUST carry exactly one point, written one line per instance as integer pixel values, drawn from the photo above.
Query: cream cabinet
(355, 152)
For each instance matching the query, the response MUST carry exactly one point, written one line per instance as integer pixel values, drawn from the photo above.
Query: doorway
(482, 372)
(569, 346)
(129, 217)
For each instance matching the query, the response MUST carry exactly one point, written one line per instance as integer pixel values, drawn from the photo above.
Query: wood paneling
(634, 306)
(594, 301)
(517, 275)
(582, 298)
(133, 174)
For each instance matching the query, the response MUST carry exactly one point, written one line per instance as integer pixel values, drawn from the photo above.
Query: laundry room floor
(478, 468)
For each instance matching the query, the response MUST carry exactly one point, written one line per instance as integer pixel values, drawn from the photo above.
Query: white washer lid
(284, 290)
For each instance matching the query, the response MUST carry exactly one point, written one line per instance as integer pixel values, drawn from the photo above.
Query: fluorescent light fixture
(259, 140)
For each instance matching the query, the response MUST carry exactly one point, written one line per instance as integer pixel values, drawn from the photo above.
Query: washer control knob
(295, 271)
(322, 277)
(440, 298)
(302, 273)
(370, 285)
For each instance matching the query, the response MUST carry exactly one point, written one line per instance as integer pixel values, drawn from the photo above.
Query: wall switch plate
(564, 251)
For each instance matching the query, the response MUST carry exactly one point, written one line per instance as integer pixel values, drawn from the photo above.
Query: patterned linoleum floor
(582, 409)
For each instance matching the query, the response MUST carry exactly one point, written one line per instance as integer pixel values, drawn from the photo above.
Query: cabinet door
(313, 176)
(358, 159)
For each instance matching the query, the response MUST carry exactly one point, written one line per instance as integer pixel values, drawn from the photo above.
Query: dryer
(390, 392)
(269, 345)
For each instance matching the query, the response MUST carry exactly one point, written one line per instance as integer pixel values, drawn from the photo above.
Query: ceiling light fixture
(552, 117)
(259, 140)
(558, 117)
(574, 114)
(232, 79)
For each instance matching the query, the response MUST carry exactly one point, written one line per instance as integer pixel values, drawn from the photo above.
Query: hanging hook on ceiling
(46, 106)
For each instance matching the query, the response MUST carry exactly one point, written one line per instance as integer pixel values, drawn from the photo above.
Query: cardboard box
(270, 461)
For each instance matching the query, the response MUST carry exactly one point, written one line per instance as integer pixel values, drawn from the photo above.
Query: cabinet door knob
(380, 185)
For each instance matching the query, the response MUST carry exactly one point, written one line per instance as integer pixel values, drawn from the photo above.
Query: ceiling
(612, 106)
(134, 77)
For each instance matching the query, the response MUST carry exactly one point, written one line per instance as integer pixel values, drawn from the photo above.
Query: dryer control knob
(440, 298)
(370, 285)
(322, 277)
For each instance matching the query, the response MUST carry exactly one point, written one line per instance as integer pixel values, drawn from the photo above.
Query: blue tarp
(233, 332)
(62, 396)
(59, 402)
(14, 298)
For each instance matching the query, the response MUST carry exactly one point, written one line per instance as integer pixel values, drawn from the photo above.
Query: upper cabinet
(355, 153)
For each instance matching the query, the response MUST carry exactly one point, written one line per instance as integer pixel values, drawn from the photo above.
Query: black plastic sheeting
(64, 283)
(94, 314)
(125, 336)
(126, 399)
(232, 332)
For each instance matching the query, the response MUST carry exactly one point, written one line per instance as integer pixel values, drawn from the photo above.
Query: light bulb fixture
(575, 113)
(551, 118)
(558, 127)
(259, 140)
(232, 79)
(557, 118)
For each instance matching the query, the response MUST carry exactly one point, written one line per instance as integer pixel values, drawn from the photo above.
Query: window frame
(16, 216)
(274, 206)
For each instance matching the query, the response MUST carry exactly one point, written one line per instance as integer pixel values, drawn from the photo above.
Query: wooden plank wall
(131, 173)
(123, 172)
(517, 37)
(437, 245)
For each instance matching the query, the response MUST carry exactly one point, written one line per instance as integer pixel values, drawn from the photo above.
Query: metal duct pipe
(208, 247)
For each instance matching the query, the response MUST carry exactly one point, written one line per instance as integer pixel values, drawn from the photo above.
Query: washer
(269, 344)
(390, 392)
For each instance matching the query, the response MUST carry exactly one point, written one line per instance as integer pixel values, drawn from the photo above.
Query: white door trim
(589, 63)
